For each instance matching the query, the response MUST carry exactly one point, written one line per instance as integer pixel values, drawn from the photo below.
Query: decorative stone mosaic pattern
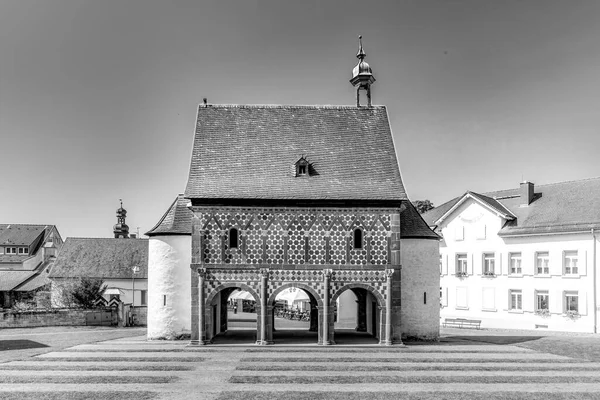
(296, 237)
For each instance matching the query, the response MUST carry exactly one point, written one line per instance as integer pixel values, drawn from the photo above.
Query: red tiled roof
(248, 152)
(176, 221)
(101, 258)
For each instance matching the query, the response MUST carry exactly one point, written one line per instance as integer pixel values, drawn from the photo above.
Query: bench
(462, 323)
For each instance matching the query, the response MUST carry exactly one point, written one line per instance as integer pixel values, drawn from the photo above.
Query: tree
(423, 206)
(82, 292)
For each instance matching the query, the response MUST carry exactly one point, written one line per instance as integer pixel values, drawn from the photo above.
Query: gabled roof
(248, 152)
(101, 258)
(486, 201)
(10, 279)
(176, 221)
(563, 207)
(20, 234)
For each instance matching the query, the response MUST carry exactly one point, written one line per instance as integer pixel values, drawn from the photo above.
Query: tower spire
(362, 75)
(121, 230)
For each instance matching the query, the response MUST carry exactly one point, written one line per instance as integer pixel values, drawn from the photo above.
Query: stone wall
(30, 319)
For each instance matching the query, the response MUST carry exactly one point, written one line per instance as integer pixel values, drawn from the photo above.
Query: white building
(524, 258)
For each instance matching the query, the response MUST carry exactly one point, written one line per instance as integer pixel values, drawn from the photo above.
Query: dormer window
(233, 238)
(302, 167)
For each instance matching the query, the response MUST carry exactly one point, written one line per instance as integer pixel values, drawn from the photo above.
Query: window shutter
(470, 264)
(445, 296)
(488, 298)
(556, 260)
(527, 263)
(480, 231)
(504, 300)
(444, 264)
(459, 233)
(582, 303)
(498, 266)
(451, 263)
(556, 302)
(477, 264)
(582, 261)
(528, 300)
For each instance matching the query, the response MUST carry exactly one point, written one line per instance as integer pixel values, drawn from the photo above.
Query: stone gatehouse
(308, 197)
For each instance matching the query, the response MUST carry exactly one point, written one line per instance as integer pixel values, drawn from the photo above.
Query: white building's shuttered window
(515, 302)
(488, 299)
(570, 261)
(462, 297)
(542, 263)
(514, 261)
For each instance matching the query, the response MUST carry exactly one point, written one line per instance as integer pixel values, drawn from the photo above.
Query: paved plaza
(472, 364)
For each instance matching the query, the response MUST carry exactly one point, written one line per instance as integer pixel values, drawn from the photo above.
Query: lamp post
(135, 270)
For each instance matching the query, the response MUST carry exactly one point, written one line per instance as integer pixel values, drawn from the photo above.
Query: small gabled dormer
(302, 167)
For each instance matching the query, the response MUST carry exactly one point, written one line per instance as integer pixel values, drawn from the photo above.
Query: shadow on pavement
(492, 340)
(20, 345)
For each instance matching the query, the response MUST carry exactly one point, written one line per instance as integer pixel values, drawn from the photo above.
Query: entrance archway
(285, 329)
(232, 320)
(358, 313)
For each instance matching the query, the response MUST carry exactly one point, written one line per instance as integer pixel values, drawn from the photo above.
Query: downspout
(595, 282)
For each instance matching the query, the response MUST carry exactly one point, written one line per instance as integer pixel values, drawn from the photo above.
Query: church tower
(121, 230)
(362, 76)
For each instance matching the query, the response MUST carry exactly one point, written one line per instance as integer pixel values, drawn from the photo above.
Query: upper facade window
(461, 265)
(23, 250)
(489, 264)
(233, 238)
(542, 263)
(570, 259)
(358, 238)
(515, 264)
(10, 250)
(516, 300)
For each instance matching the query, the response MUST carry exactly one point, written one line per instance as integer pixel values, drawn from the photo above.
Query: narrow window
(164, 299)
(424, 297)
(143, 295)
(358, 238)
(233, 238)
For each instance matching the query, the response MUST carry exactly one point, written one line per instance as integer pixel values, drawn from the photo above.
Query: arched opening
(232, 314)
(358, 238)
(295, 314)
(357, 315)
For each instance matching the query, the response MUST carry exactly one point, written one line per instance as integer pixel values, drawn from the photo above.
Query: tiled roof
(101, 258)
(563, 207)
(494, 204)
(248, 152)
(10, 279)
(176, 221)
(33, 283)
(412, 225)
(20, 234)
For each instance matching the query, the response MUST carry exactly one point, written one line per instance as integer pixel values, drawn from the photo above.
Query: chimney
(526, 193)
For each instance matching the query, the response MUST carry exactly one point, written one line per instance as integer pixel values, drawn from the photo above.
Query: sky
(98, 98)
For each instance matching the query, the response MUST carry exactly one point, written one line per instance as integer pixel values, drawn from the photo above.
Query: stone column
(264, 281)
(326, 278)
(201, 306)
(388, 308)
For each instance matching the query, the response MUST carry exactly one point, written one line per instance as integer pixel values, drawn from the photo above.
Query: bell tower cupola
(362, 75)
(121, 230)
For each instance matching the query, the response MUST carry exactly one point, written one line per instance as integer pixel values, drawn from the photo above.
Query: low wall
(29, 319)
(141, 315)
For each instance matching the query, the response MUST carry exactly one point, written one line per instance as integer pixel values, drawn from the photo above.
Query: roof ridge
(308, 106)
(546, 184)
(39, 225)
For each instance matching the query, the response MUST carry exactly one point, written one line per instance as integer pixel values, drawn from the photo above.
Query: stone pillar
(326, 278)
(201, 306)
(264, 281)
(388, 309)
(361, 309)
